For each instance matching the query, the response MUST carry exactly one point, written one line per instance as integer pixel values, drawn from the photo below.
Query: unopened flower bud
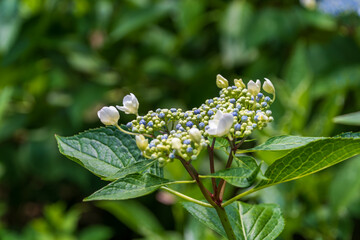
(239, 83)
(130, 104)
(108, 115)
(195, 135)
(221, 82)
(258, 83)
(253, 88)
(268, 86)
(176, 143)
(141, 142)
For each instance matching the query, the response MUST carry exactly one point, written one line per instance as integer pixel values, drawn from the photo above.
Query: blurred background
(62, 60)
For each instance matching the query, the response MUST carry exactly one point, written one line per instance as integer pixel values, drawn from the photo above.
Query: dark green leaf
(255, 222)
(106, 152)
(280, 143)
(133, 186)
(241, 176)
(311, 158)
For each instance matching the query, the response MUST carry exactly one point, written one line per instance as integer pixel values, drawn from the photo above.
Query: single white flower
(221, 124)
(176, 143)
(239, 83)
(195, 135)
(268, 87)
(130, 104)
(253, 88)
(109, 115)
(221, 82)
(141, 142)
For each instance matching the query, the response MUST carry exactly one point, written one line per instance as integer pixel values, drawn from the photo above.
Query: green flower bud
(221, 82)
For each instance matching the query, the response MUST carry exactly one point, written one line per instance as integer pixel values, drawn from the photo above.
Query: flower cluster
(235, 114)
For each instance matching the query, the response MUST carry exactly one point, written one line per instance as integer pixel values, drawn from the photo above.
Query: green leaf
(220, 144)
(133, 186)
(134, 168)
(263, 221)
(106, 152)
(311, 158)
(348, 119)
(280, 143)
(241, 176)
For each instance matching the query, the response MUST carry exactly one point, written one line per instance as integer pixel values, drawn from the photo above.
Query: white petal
(218, 116)
(225, 124)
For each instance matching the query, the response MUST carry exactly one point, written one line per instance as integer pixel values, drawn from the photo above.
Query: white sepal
(108, 115)
(130, 104)
(221, 124)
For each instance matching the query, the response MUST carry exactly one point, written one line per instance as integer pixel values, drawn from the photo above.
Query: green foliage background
(61, 61)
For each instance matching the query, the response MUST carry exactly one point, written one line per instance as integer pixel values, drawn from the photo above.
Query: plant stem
(182, 181)
(131, 133)
(222, 184)
(225, 222)
(185, 197)
(209, 197)
(212, 167)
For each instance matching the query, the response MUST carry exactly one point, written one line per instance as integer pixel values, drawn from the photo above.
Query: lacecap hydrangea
(235, 113)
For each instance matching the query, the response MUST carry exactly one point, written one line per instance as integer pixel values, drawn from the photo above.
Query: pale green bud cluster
(184, 134)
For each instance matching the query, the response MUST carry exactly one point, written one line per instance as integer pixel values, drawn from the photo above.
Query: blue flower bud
(158, 110)
(178, 126)
(173, 109)
(254, 125)
(153, 114)
(268, 112)
(164, 136)
(189, 149)
(210, 112)
(218, 106)
(151, 145)
(237, 127)
(161, 115)
(150, 124)
(267, 99)
(187, 141)
(234, 87)
(232, 100)
(197, 111)
(201, 125)
(238, 106)
(189, 124)
(129, 125)
(171, 156)
(256, 118)
(210, 101)
(234, 114)
(264, 104)
(186, 115)
(142, 121)
(244, 118)
(260, 95)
